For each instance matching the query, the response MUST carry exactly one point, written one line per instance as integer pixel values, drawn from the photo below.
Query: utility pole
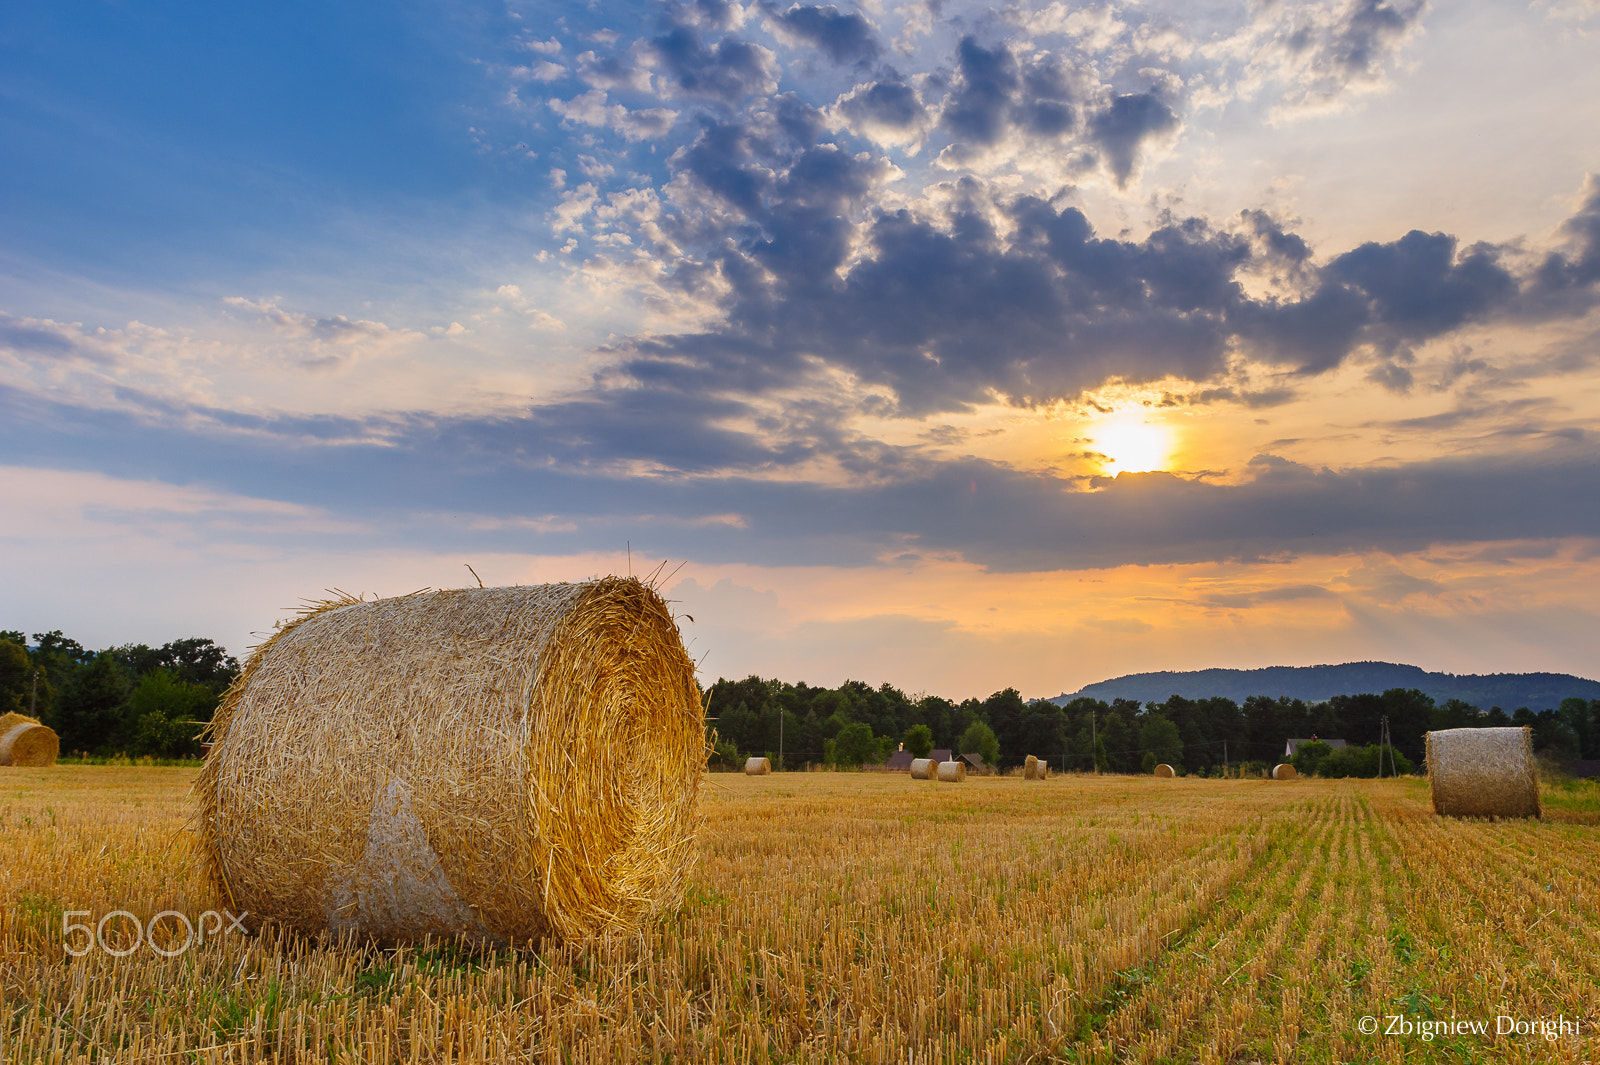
(1386, 747)
(780, 737)
(1224, 759)
(1094, 744)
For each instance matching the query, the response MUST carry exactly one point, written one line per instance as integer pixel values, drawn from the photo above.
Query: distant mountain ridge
(1537, 691)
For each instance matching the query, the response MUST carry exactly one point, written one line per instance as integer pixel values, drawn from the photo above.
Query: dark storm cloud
(844, 38)
(1022, 298)
(1122, 129)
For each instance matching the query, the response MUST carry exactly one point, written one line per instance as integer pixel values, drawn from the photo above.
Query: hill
(1537, 691)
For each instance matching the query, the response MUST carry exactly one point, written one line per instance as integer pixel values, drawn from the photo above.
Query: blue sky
(946, 345)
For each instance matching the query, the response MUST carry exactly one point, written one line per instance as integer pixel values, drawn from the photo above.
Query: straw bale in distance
(1041, 771)
(446, 763)
(1483, 772)
(757, 767)
(953, 772)
(924, 769)
(25, 742)
(1029, 767)
(1165, 770)
(1283, 771)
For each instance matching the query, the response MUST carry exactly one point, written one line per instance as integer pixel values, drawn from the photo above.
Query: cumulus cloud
(845, 38)
(592, 109)
(1126, 126)
(726, 72)
(887, 112)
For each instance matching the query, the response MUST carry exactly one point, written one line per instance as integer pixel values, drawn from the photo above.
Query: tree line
(133, 699)
(857, 723)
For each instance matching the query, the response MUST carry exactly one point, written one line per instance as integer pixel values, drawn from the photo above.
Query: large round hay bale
(757, 767)
(924, 769)
(1029, 767)
(1283, 771)
(25, 742)
(1483, 772)
(1165, 770)
(1041, 770)
(953, 772)
(504, 763)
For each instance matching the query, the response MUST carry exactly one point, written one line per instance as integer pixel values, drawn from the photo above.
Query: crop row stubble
(859, 917)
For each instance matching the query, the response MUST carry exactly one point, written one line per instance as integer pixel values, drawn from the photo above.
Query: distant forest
(133, 699)
(153, 701)
(856, 723)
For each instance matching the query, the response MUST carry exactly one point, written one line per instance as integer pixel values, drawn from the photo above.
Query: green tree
(90, 713)
(854, 745)
(1308, 758)
(1159, 736)
(979, 738)
(919, 740)
(16, 677)
(167, 715)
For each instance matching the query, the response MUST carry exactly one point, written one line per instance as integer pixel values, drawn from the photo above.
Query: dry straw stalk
(25, 742)
(1284, 771)
(953, 772)
(507, 763)
(1165, 770)
(1483, 772)
(757, 767)
(924, 769)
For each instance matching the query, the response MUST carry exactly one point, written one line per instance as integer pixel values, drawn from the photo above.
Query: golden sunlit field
(862, 917)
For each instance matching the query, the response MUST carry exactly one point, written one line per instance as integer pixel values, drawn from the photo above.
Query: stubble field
(861, 917)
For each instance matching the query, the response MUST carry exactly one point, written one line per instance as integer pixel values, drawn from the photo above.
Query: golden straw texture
(1041, 770)
(1483, 772)
(757, 767)
(953, 772)
(508, 763)
(25, 742)
(1030, 767)
(1283, 771)
(924, 769)
(1165, 770)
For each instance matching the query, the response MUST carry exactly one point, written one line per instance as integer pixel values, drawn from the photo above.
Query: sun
(1133, 443)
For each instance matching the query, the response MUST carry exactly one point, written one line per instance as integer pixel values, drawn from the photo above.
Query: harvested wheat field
(1105, 919)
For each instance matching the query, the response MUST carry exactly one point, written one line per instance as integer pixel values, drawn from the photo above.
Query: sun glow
(1133, 443)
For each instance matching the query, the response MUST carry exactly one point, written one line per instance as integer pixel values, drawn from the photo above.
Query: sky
(952, 345)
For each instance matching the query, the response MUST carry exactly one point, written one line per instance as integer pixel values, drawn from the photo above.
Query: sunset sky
(938, 343)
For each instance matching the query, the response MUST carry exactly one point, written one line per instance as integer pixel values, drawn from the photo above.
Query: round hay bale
(1283, 771)
(924, 769)
(1165, 770)
(953, 772)
(1030, 766)
(504, 763)
(1041, 771)
(1483, 772)
(25, 742)
(757, 767)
